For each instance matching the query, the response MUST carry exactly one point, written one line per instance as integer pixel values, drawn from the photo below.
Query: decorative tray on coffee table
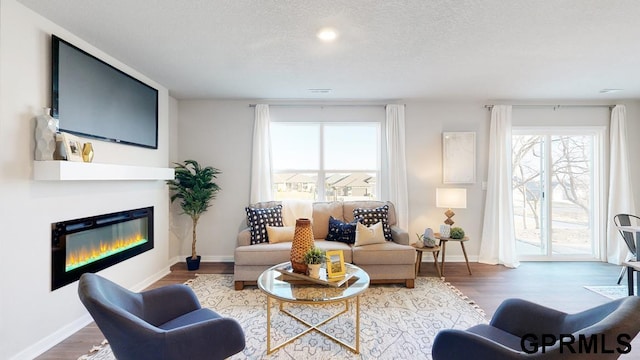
(289, 275)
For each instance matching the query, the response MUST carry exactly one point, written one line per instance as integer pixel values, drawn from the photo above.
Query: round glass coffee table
(284, 288)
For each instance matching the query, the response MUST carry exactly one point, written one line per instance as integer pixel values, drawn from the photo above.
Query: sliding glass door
(556, 196)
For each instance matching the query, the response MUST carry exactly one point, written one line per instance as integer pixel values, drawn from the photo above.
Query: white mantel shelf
(70, 171)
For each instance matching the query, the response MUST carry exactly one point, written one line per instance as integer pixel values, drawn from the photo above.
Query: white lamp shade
(451, 198)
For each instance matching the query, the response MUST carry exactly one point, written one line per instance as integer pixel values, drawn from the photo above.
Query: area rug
(610, 291)
(395, 322)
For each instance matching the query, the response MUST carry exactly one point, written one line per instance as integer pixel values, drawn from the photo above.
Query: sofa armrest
(244, 237)
(399, 236)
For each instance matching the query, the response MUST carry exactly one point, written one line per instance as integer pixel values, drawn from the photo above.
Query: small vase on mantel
(87, 152)
(302, 242)
(45, 135)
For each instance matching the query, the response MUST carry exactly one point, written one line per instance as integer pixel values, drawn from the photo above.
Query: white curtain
(498, 242)
(620, 185)
(397, 163)
(261, 156)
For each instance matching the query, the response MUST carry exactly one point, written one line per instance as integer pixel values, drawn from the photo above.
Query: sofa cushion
(349, 206)
(321, 213)
(263, 205)
(335, 245)
(278, 234)
(369, 217)
(341, 231)
(259, 218)
(367, 235)
(388, 253)
(263, 254)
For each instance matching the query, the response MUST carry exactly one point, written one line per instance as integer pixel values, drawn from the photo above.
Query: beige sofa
(391, 262)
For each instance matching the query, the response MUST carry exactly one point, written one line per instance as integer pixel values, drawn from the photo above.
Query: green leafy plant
(456, 233)
(195, 187)
(314, 256)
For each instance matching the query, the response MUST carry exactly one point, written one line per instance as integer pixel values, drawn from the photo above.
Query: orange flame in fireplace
(84, 255)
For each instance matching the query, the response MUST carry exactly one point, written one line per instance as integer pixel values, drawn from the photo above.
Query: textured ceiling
(435, 49)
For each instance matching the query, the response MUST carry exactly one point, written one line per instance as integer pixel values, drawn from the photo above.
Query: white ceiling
(386, 49)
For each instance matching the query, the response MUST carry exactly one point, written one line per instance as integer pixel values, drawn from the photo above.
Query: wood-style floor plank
(554, 284)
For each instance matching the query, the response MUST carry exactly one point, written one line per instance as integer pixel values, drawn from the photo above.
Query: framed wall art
(459, 157)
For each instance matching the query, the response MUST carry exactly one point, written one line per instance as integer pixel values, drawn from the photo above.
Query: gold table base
(311, 327)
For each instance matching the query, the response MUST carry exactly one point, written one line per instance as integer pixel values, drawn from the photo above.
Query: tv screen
(93, 99)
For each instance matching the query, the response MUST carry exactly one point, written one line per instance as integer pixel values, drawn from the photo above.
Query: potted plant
(456, 233)
(314, 258)
(195, 187)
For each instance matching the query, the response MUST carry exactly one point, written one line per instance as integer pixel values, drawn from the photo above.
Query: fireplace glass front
(95, 243)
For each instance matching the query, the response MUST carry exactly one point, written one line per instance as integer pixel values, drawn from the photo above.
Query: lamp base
(449, 215)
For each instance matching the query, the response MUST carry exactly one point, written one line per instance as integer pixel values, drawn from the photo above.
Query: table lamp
(451, 198)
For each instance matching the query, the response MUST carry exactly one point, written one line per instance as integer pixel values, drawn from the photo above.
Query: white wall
(219, 133)
(33, 317)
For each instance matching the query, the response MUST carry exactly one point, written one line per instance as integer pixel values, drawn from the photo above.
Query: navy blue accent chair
(160, 324)
(515, 318)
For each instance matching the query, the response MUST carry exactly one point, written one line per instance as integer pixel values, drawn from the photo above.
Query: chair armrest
(211, 339)
(244, 237)
(451, 344)
(168, 302)
(520, 317)
(399, 236)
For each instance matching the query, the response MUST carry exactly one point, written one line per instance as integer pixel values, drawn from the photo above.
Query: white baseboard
(52, 340)
(58, 336)
(152, 279)
(181, 258)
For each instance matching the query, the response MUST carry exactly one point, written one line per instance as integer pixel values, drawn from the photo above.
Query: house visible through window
(325, 161)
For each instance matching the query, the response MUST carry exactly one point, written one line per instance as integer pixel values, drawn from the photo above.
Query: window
(325, 161)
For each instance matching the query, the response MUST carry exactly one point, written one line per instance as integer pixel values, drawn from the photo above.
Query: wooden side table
(434, 250)
(443, 245)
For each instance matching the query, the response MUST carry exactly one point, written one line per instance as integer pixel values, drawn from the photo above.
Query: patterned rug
(610, 291)
(395, 322)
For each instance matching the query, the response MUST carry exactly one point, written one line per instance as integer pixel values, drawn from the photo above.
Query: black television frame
(55, 44)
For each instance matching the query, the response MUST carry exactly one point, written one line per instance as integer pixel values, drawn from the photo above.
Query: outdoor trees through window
(554, 193)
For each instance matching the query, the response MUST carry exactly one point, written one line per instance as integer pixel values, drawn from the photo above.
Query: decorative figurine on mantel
(45, 135)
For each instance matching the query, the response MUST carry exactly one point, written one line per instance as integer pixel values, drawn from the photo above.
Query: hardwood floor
(554, 284)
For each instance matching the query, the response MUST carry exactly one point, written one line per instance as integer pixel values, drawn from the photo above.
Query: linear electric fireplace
(95, 243)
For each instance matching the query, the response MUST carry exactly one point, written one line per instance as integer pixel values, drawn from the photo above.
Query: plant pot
(314, 270)
(193, 264)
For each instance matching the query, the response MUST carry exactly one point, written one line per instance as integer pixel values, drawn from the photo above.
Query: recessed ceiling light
(608, 91)
(327, 35)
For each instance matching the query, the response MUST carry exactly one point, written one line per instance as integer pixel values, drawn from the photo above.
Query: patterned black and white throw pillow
(341, 231)
(259, 218)
(369, 217)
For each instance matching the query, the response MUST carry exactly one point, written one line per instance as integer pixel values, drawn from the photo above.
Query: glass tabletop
(275, 284)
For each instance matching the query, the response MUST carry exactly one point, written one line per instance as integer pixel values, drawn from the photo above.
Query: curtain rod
(319, 105)
(555, 107)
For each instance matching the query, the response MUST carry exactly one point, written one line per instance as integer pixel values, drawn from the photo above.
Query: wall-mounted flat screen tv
(93, 99)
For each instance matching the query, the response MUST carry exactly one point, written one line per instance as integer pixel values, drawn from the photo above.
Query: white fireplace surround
(74, 171)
